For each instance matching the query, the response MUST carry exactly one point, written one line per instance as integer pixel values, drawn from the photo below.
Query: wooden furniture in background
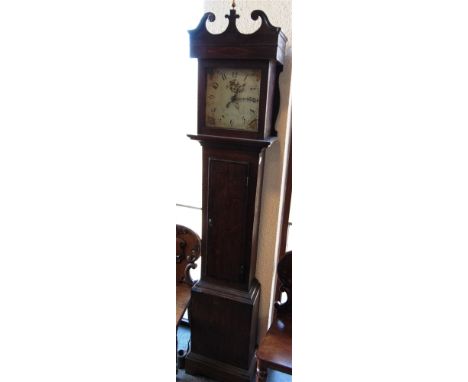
(187, 253)
(275, 350)
(188, 245)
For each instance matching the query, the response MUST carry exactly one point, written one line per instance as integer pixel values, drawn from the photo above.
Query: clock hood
(267, 42)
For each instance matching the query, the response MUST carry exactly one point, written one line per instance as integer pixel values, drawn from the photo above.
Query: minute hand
(251, 99)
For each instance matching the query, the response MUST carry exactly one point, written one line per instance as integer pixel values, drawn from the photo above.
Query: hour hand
(233, 99)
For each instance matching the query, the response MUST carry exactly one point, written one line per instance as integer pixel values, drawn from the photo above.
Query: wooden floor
(183, 335)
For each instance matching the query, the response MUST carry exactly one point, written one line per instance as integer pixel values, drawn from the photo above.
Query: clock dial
(232, 98)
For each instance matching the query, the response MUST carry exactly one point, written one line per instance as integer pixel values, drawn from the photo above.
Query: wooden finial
(233, 3)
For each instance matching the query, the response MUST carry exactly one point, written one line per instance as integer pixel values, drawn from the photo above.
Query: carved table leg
(261, 372)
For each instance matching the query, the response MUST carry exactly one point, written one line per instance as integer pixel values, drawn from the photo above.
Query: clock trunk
(232, 182)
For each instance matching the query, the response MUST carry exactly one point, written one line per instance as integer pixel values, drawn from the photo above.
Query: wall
(279, 14)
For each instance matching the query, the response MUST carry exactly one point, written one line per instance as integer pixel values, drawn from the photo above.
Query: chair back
(284, 271)
(188, 246)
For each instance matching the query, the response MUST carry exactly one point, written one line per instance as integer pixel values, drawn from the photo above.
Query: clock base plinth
(223, 323)
(197, 364)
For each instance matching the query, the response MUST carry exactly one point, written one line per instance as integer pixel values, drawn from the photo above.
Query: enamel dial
(232, 98)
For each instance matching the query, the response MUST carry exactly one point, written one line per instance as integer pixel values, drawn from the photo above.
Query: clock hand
(251, 99)
(233, 99)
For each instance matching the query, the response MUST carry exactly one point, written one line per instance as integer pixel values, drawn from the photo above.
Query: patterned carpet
(183, 335)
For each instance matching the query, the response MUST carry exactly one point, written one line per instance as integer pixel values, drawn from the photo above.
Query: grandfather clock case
(238, 101)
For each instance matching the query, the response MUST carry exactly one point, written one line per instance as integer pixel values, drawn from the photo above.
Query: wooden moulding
(267, 42)
(249, 297)
(221, 141)
(200, 365)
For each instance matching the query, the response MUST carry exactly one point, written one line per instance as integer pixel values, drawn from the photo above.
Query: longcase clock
(238, 101)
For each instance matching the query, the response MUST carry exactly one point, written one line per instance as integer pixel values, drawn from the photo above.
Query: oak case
(225, 302)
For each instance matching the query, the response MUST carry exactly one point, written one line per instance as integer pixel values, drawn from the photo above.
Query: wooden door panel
(227, 216)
